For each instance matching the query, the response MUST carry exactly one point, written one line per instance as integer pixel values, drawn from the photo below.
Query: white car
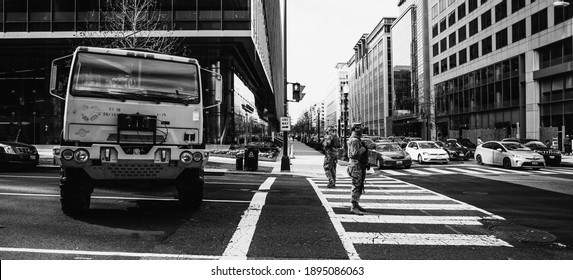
(427, 151)
(508, 155)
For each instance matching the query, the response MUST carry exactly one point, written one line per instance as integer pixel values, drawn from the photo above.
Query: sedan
(508, 155)
(389, 154)
(427, 151)
(551, 156)
(455, 150)
(14, 154)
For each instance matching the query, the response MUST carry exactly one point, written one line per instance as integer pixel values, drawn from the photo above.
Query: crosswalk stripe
(367, 185)
(392, 172)
(461, 170)
(347, 190)
(489, 171)
(380, 238)
(397, 219)
(409, 206)
(440, 170)
(419, 172)
(390, 197)
(516, 171)
(559, 171)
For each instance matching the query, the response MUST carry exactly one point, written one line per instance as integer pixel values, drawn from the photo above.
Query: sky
(321, 33)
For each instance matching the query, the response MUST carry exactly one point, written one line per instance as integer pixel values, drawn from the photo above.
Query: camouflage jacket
(356, 151)
(331, 143)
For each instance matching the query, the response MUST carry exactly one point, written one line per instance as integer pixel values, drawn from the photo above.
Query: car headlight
(425, 153)
(81, 155)
(68, 154)
(186, 157)
(8, 149)
(517, 156)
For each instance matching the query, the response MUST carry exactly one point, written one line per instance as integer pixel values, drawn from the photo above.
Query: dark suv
(551, 156)
(14, 154)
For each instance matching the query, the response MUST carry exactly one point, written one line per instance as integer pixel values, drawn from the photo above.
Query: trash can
(251, 158)
(239, 161)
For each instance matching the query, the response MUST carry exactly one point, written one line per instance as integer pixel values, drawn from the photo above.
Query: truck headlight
(197, 156)
(68, 154)
(81, 155)
(186, 157)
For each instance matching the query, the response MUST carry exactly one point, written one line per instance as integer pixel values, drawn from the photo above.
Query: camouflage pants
(358, 175)
(330, 169)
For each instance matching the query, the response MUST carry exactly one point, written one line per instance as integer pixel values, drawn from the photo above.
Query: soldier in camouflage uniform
(357, 165)
(330, 144)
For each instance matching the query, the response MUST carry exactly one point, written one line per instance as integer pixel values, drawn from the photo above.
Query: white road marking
(123, 197)
(392, 172)
(367, 195)
(239, 244)
(408, 206)
(379, 191)
(486, 170)
(442, 171)
(346, 242)
(399, 219)
(111, 254)
(425, 239)
(464, 171)
(418, 172)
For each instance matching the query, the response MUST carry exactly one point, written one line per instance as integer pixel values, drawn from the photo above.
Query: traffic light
(296, 91)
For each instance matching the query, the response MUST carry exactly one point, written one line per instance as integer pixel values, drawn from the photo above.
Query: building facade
(412, 103)
(334, 99)
(502, 68)
(370, 80)
(238, 38)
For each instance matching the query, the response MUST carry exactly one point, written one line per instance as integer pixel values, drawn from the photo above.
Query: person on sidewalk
(357, 165)
(331, 144)
(479, 141)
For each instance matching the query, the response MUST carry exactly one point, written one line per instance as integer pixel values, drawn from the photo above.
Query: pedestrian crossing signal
(296, 92)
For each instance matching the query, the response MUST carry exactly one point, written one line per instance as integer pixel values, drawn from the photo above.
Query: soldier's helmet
(331, 129)
(356, 126)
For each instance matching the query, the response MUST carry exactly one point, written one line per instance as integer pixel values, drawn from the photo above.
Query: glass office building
(240, 38)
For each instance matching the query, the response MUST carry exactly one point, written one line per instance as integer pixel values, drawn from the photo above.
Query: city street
(454, 211)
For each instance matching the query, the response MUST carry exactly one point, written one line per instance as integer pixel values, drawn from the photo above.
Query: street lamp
(560, 4)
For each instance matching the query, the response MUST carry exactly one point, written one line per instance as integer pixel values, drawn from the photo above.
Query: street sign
(285, 124)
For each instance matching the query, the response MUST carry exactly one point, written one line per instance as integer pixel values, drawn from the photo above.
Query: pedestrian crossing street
(471, 170)
(429, 218)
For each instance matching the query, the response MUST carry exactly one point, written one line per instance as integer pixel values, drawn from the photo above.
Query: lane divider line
(122, 198)
(110, 254)
(239, 244)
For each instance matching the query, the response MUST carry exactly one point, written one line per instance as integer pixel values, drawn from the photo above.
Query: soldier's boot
(355, 209)
(360, 208)
(331, 185)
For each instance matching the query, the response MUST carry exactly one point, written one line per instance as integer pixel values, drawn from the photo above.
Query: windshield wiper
(100, 93)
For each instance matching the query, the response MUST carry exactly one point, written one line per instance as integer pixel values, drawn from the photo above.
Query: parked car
(389, 154)
(16, 154)
(455, 150)
(464, 142)
(508, 155)
(427, 151)
(551, 156)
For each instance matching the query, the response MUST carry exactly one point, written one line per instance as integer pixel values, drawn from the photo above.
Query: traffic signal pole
(285, 160)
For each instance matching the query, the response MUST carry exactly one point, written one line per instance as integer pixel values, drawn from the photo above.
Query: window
(474, 51)
(462, 11)
(453, 61)
(435, 49)
(462, 34)
(185, 15)
(486, 46)
(435, 31)
(483, 1)
(452, 39)
(443, 25)
(463, 56)
(452, 18)
(473, 27)
(442, 5)
(436, 68)
(518, 31)
(501, 39)
(434, 11)
(486, 20)
(517, 5)
(501, 10)
(562, 14)
(473, 4)
(444, 65)
(539, 21)
(443, 45)
(450, 2)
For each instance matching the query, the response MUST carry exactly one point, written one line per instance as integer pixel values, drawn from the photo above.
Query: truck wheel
(190, 187)
(75, 191)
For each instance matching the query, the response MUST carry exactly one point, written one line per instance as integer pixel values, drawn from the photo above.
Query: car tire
(420, 161)
(190, 187)
(506, 163)
(380, 163)
(75, 191)
(479, 161)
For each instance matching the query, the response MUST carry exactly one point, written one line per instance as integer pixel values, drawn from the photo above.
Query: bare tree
(133, 24)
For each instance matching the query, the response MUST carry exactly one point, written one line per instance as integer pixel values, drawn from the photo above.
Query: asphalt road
(443, 212)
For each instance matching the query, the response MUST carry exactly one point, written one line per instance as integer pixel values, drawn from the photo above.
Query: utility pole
(285, 160)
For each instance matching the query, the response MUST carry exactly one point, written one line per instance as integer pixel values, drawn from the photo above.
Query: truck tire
(190, 185)
(75, 191)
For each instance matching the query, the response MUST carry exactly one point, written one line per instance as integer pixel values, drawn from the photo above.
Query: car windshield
(515, 147)
(535, 144)
(388, 147)
(428, 145)
(125, 77)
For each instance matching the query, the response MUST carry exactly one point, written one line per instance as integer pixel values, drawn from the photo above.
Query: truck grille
(135, 170)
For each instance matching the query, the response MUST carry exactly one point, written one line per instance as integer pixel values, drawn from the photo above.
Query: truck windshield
(126, 77)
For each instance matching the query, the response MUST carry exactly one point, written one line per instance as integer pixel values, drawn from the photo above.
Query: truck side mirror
(59, 76)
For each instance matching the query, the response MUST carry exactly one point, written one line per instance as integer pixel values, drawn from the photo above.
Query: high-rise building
(502, 68)
(334, 99)
(370, 80)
